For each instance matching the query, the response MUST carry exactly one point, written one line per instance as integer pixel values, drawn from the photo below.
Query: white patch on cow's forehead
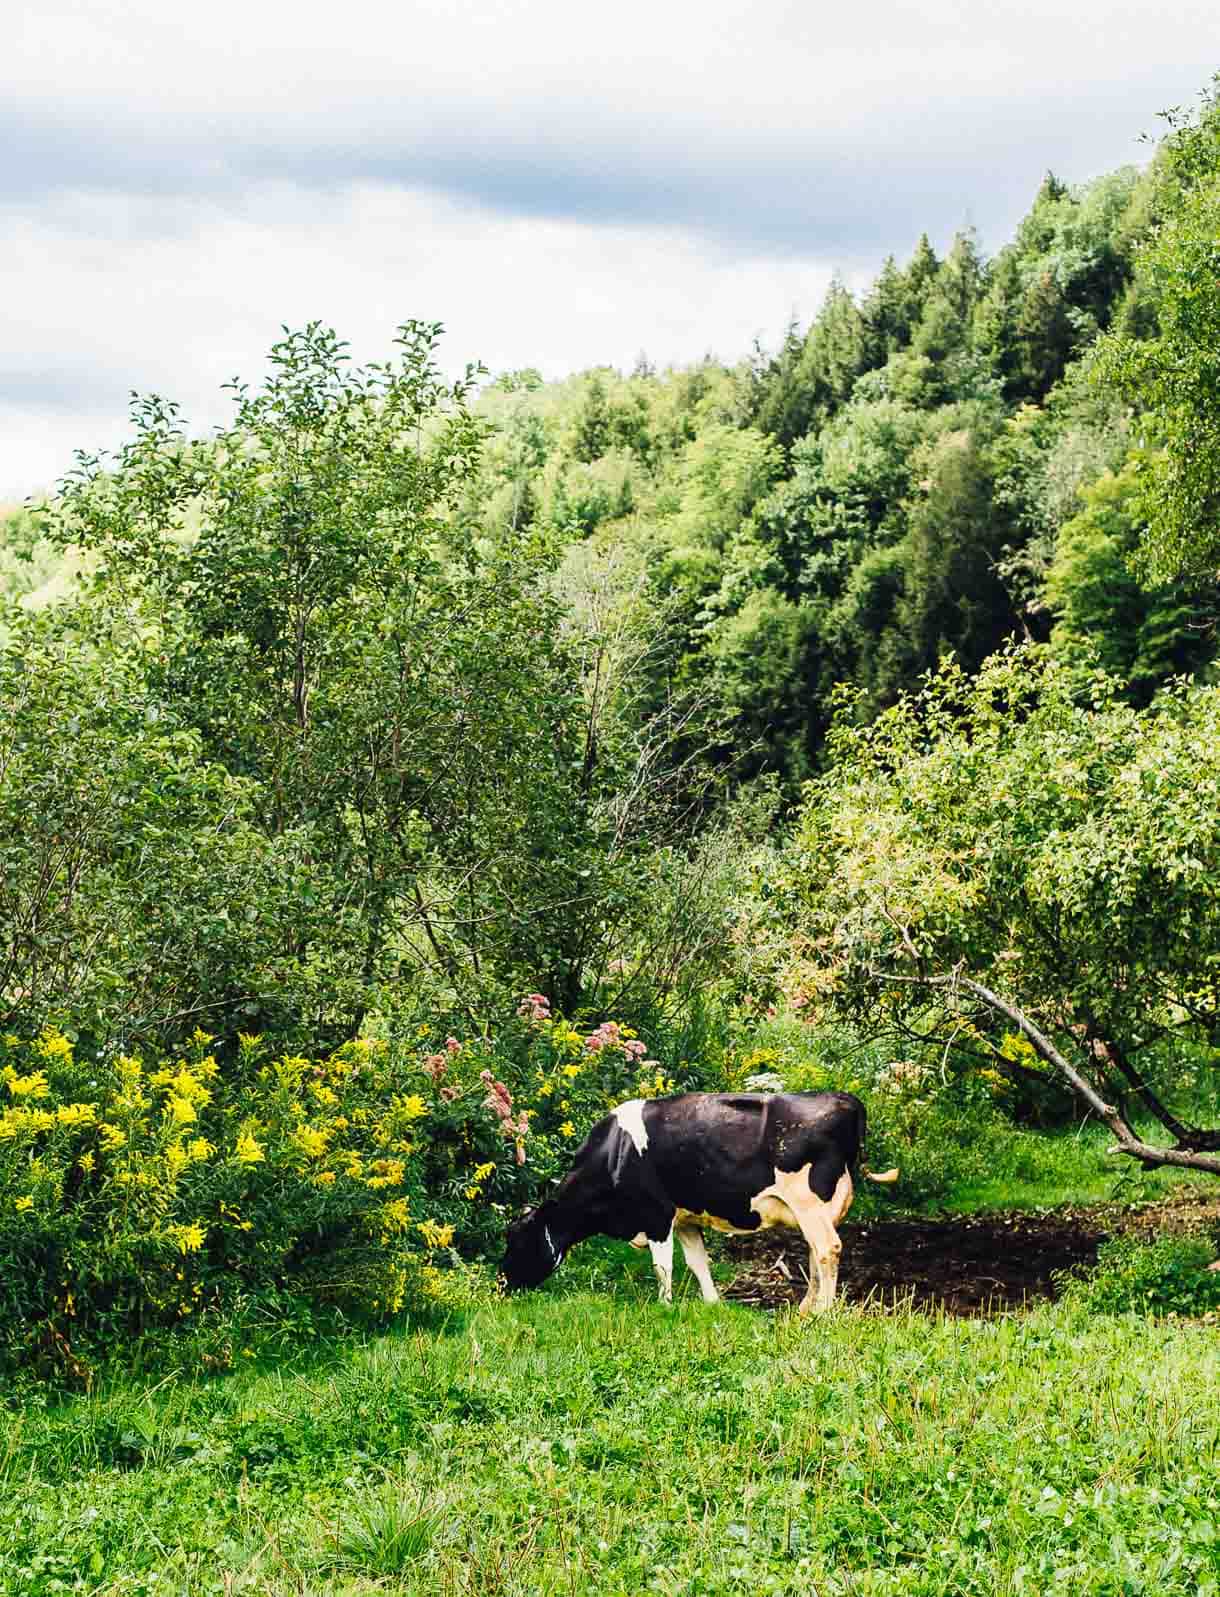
(631, 1117)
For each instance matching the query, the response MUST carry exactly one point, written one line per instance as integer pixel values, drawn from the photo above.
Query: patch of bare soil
(961, 1265)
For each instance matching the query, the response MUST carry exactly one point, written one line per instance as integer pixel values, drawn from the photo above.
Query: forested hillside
(932, 468)
(400, 775)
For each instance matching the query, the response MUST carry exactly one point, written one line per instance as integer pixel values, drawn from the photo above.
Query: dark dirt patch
(961, 1265)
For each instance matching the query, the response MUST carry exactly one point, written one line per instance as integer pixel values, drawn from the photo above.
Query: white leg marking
(631, 1117)
(695, 1254)
(814, 1217)
(663, 1264)
(841, 1198)
(639, 1240)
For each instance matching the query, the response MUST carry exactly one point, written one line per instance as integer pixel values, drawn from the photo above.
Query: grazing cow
(669, 1166)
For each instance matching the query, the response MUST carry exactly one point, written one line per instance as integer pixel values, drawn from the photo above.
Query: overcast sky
(560, 184)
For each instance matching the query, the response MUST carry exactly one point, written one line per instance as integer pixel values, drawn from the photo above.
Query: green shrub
(1168, 1276)
(138, 1194)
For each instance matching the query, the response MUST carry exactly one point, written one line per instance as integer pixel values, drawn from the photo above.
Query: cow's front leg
(663, 1263)
(695, 1254)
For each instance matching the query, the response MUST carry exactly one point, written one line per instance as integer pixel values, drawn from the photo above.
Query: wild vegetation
(398, 778)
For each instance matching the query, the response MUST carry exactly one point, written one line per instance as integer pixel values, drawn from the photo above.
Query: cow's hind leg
(663, 1264)
(816, 1218)
(695, 1254)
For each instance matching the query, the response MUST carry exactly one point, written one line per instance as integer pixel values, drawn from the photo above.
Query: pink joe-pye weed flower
(535, 1007)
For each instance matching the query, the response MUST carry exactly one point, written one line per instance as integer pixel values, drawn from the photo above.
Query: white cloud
(201, 300)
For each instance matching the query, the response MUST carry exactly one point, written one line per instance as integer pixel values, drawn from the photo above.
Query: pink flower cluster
(437, 1064)
(500, 1101)
(610, 1035)
(535, 1006)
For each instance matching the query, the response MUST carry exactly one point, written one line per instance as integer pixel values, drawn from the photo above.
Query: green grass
(577, 1442)
(1045, 1170)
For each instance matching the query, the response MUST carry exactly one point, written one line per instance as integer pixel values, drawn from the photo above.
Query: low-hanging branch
(1149, 1153)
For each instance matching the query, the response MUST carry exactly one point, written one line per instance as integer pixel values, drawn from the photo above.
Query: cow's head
(532, 1252)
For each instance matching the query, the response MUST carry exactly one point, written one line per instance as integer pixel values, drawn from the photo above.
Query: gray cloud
(847, 191)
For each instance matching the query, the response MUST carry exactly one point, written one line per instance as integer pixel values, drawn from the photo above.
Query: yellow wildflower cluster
(394, 1217)
(162, 1157)
(385, 1173)
(248, 1149)
(655, 1085)
(34, 1085)
(312, 1140)
(53, 1046)
(434, 1235)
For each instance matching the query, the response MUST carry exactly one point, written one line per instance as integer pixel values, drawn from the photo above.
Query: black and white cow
(665, 1167)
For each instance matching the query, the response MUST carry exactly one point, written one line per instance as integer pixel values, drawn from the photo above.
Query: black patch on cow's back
(714, 1152)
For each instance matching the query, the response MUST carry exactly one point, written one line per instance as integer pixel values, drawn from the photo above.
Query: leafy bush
(139, 1193)
(1168, 1276)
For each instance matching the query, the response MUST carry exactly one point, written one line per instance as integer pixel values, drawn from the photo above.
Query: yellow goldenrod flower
(411, 1107)
(386, 1173)
(203, 1038)
(571, 1070)
(180, 1110)
(434, 1235)
(54, 1045)
(248, 1150)
(75, 1114)
(86, 1162)
(199, 1149)
(32, 1086)
(176, 1160)
(22, 1204)
(473, 1192)
(110, 1137)
(324, 1178)
(482, 1171)
(311, 1140)
(395, 1216)
(187, 1238)
(567, 1129)
(187, 1086)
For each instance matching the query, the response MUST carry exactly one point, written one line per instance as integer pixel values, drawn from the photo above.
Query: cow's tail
(885, 1177)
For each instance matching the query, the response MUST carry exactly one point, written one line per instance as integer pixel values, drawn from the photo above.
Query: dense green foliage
(1003, 859)
(1171, 375)
(1169, 1276)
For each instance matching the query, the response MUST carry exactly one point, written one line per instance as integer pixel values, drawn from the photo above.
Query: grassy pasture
(583, 1440)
